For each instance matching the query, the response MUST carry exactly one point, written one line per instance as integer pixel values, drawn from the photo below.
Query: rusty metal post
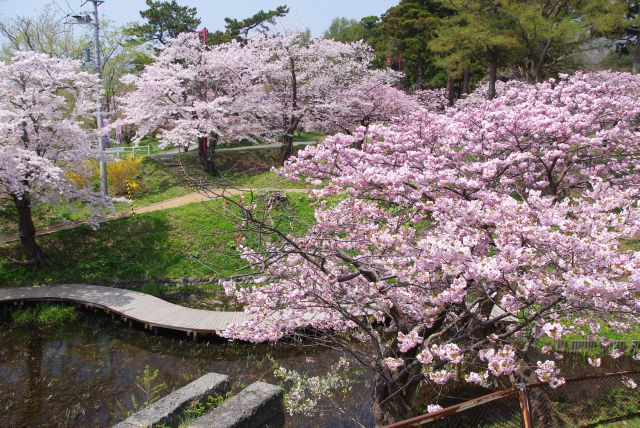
(523, 398)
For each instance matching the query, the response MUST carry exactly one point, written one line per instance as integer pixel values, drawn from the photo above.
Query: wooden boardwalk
(143, 308)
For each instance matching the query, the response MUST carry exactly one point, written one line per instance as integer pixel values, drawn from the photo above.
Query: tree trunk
(206, 151)
(465, 81)
(636, 55)
(420, 75)
(286, 150)
(450, 90)
(493, 75)
(388, 406)
(27, 231)
(539, 70)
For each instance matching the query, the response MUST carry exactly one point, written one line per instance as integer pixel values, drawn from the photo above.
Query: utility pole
(102, 139)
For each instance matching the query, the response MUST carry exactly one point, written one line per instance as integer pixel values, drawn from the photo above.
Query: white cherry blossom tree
(46, 134)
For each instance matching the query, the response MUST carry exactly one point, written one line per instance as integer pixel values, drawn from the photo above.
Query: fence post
(523, 398)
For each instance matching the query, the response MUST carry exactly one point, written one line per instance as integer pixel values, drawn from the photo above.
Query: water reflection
(74, 376)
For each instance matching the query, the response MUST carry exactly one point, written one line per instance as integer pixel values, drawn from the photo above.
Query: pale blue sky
(315, 14)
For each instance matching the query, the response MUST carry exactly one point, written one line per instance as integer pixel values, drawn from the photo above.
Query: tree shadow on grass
(138, 247)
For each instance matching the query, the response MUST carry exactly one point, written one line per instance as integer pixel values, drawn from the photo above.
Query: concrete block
(164, 410)
(257, 406)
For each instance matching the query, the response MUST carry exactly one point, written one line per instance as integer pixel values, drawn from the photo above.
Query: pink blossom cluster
(547, 372)
(484, 226)
(409, 341)
(500, 362)
(448, 352)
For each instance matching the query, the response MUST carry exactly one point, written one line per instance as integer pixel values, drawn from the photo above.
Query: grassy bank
(42, 314)
(196, 240)
(156, 184)
(239, 169)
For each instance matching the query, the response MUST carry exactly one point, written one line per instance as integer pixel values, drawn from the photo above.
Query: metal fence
(584, 401)
(126, 152)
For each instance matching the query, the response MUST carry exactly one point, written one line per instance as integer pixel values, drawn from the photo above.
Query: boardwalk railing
(584, 401)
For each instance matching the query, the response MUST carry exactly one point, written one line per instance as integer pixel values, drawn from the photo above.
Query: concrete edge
(259, 405)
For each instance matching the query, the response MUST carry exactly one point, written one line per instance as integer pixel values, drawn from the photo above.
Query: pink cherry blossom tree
(447, 245)
(371, 99)
(299, 77)
(194, 92)
(45, 104)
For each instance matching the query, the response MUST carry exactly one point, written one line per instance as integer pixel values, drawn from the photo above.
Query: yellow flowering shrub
(122, 176)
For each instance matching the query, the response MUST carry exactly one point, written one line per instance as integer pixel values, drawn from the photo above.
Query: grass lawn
(250, 169)
(191, 241)
(158, 184)
(597, 408)
(308, 136)
(629, 423)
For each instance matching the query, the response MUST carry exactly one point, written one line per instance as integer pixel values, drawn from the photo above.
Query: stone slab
(164, 410)
(257, 406)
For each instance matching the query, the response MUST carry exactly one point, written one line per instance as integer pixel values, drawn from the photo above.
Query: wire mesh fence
(584, 401)
(500, 413)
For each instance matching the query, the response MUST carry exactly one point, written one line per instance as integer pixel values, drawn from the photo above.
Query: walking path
(178, 201)
(131, 305)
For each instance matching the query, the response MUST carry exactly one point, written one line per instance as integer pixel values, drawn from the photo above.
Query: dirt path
(158, 206)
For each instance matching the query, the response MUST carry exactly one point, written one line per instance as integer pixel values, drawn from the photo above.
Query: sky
(313, 14)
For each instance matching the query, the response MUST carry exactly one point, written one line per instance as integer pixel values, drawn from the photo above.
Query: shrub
(122, 176)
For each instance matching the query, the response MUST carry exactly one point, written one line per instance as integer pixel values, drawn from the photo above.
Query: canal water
(84, 375)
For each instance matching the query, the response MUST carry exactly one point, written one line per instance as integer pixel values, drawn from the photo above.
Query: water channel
(84, 374)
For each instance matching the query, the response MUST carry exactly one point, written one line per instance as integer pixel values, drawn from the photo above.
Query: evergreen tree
(402, 39)
(239, 29)
(478, 33)
(165, 20)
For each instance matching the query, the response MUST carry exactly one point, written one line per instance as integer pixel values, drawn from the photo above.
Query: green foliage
(42, 33)
(621, 60)
(164, 21)
(404, 32)
(239, 29)
(346, 30)
(200, 408)
(477, 31)
(150, 390)
(43, 314)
